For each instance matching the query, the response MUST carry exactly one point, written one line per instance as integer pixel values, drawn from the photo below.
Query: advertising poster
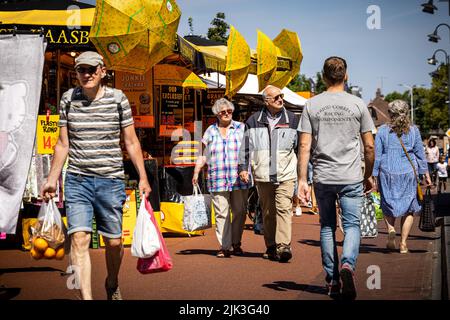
(171, 110)
(211, 96)
(138, 89)
(47, 134)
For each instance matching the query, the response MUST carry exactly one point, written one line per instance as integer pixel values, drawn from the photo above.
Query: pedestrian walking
(222, 142)
(92, 118)
(270, 147)
(442, 170)
(331, 126)
(398, 161)
(432, 155)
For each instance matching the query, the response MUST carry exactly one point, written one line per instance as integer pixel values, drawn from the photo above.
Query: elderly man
(269, 146)
(92, 117)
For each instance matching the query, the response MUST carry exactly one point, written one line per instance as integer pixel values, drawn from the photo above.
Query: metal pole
(448, 84)
(412, 105)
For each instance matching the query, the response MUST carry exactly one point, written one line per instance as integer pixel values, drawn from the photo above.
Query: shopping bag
(47, 238)
(369, 227)
(145, 242)
(427, 215)
(159, 262)
(376, 199)
(197, 211)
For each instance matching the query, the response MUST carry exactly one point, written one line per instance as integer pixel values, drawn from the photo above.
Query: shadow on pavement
(214, 252)
(316, 243)
(8, 293)
(290, 285)
(31, 269)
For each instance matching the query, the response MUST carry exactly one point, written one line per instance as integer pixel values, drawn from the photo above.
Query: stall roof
(250, 88)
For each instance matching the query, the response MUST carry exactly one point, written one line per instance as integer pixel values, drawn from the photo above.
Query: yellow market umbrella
(288, 43)
(171, 75)
(135, 35)
(238, 62)
(266, 60)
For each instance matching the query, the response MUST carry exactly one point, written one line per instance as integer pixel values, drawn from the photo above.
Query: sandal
(403, 248)
(391, 240)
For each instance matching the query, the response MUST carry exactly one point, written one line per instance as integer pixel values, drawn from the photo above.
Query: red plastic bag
(161, 261)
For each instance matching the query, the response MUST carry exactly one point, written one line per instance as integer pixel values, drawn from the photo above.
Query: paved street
(199, 275)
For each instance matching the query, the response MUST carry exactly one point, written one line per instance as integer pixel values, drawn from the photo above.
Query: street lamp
(411, 88)
(433, 61)
(434, 37)
(429, 7)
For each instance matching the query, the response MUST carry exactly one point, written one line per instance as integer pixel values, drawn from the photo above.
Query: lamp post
(429, 7)
(411, 93)
(434, 37)
(433, 61)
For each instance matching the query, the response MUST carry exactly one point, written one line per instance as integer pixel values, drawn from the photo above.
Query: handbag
(369, 226)
(427, 216)
(419, 189)
(197, 211)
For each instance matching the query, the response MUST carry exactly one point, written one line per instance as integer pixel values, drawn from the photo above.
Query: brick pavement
(199, 275)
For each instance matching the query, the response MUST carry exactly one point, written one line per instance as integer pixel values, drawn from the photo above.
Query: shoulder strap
(72, 93)
(118, 100)
(407, 155)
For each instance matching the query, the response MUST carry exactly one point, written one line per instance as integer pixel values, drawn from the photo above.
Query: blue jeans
(351, 199)
(87, 196)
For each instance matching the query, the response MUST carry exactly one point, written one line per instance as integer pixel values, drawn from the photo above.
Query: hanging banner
(137, 88)
(47, 134)
(22, 61)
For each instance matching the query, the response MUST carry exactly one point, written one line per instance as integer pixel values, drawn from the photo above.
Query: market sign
(47, 134)
(57, 36)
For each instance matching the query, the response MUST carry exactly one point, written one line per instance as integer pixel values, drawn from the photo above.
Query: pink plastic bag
(161, 261)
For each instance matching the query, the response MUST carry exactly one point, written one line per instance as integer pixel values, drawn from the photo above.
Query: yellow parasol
(238, 62)
(266, 60)
(135, 35)
(289, 46)
(171, 75)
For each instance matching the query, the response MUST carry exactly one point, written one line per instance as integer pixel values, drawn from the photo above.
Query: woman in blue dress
(396, 179)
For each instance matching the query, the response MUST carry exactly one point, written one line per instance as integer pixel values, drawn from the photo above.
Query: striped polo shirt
(94, 132)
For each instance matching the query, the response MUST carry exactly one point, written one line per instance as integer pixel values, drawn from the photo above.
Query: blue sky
(396, 53)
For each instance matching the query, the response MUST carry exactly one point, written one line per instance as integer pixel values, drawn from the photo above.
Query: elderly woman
(222, 142)
(397, 180)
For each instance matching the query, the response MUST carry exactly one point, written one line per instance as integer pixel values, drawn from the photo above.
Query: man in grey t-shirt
(332, 126)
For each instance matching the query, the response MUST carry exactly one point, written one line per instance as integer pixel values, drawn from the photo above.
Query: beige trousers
(229, 231)
(276, 205)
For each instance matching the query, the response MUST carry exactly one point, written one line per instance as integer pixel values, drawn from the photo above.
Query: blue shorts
(87, 196)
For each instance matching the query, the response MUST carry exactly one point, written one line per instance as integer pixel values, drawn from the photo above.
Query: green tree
(191, 25)
(299, 83)
(219, 30)
(396, 95)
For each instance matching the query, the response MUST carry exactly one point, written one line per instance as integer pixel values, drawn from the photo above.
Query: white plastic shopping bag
(145, 242)
(197, 211)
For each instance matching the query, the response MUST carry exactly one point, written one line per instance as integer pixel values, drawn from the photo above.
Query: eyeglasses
(281, 95)
(225, 112)
(83, 70)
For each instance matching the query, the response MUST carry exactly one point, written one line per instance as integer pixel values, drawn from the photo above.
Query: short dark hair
(334, 70)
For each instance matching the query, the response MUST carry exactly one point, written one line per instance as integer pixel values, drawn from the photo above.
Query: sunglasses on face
(281, 95)
(225, 112)
(84, 70)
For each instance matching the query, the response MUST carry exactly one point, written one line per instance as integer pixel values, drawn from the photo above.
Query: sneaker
(223, 253)
(298, 211)
(284, 253)
(334, 288)
(113, 293)
(271, 254)
(237, 250)
(348, 283)
(309, 204)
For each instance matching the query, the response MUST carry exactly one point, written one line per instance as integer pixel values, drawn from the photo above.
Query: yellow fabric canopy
(266, 60)
(166, 74)
(69, 18)
(238, 62)
(133, 36)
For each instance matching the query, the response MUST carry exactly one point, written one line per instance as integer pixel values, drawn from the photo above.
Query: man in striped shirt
(92, 118)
